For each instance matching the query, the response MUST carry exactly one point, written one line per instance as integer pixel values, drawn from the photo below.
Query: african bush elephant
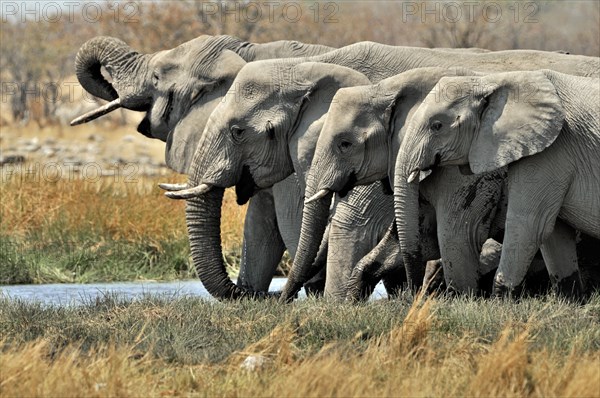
(191, 79)
(379, 61)
(361, 136)
(545, 126)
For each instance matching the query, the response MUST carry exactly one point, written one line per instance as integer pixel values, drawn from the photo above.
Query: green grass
(193, 331)
(86, 260)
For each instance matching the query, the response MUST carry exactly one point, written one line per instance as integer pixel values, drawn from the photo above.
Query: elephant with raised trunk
(189, 81)
(544, 126)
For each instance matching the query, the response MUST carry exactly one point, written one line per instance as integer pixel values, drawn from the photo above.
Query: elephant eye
(344, 146)
(270, 130)
(155, 78)
(195, 95)
(436, 126)
(236, 132)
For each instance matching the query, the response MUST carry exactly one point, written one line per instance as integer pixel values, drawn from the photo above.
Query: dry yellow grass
(110, 207)
(410, 360)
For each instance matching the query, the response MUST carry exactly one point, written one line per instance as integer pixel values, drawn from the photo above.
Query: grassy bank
(74, 230)
(191, 347)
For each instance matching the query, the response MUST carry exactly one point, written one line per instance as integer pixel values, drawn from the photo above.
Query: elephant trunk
(314, 222)
(203, 217)
(406, 208)
(127, 68)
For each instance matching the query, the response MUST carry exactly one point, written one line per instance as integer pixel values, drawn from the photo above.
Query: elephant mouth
(421, 173)
(436, 162)
(246, 187)
(144, 127)
(350, 183)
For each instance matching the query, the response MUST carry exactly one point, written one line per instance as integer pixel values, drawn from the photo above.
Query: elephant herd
(373, 162)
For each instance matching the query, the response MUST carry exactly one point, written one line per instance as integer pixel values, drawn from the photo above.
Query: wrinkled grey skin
(376, 61)
(191, 79)
(363, 130)
(545, 126)
(265, 129)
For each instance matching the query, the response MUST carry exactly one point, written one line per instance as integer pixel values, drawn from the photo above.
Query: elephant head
(264, 129)
(365, 126)
(485, 122)
(167, 85)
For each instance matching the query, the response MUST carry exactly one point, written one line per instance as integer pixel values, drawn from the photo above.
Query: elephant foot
(571, 286)
(501, 289)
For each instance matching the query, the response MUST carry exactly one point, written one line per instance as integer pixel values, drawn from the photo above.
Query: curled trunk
(127, 68)
(203, 217)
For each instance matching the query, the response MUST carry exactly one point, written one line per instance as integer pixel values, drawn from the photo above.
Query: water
(66, 294)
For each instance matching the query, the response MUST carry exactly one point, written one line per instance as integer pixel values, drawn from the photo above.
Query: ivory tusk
(96, 113)
(413, 176)
(173, 187)
(189, 193)
(424, 174)
(319, 195)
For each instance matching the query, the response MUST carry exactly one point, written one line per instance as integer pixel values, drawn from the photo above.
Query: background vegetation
(39, 47)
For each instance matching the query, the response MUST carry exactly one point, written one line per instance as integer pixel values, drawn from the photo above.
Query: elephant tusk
(424, 174)
(96, 113)
(173, 187)
(413, 176)
(189, 193)
(319, 195)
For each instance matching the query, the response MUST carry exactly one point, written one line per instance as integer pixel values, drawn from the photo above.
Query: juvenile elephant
(379, 61)
(190, 80)
(358, 145)
(545, 126)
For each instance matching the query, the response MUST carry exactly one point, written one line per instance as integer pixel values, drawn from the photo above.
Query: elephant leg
(465, 207)
(262, 246)
(289, 202)
(560, 255)
(384, 260)
(359, 221)
(530, 219)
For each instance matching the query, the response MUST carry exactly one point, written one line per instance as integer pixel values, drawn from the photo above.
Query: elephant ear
(313, 76)
(227, 65)
(521, 114)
